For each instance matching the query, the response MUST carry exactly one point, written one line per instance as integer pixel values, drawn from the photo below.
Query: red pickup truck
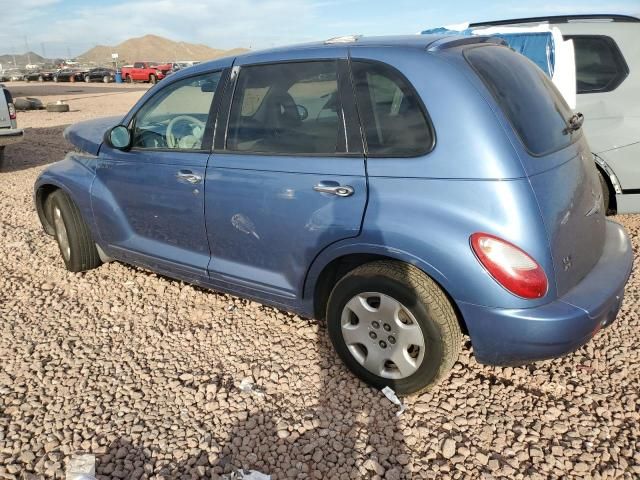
(145, 72)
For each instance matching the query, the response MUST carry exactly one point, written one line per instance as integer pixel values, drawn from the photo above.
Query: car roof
(554, 19)
(425, 42)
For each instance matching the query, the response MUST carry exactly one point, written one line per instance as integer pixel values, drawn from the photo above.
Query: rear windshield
(533, 105)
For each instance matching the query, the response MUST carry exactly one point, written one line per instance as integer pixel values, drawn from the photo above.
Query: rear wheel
(87, 79)
(606, 193)
(77, 248)
(393, 326)
(106, 79)
(129, 79)
(153, 79)
(40, 78)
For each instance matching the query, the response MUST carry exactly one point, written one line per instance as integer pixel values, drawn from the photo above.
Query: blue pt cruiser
(406, 189)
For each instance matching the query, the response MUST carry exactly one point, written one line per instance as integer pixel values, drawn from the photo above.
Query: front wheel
(393, 326)
(77, 248)
(87, 79)
(152, 79)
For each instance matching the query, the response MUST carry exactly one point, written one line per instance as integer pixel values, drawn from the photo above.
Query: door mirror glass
(119, 137)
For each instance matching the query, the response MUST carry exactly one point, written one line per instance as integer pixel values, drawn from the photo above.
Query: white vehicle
(9, 131)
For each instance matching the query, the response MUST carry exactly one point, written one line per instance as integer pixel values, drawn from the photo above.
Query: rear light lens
(9, 99)
(510, 266)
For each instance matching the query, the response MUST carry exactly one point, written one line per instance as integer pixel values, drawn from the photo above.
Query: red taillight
(12, 111)
(510, 266)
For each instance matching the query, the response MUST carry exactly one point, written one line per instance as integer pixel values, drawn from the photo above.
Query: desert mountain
(154, 48)
(21, 60)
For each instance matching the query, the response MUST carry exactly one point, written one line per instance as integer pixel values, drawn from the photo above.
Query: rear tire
(606, 193)
(87, 79)
(106, 79)
(129, 79)
(77, 248)
(152, 79)
(422, 314)
(41, 78)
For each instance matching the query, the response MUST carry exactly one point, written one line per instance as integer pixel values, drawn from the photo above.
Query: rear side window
(600, 66)
(393, 119)
(532, 104)
(287, 108)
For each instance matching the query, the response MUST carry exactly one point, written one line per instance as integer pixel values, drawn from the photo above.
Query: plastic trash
(391, 395)
(247, 475)
(81, 467)
(247, 386)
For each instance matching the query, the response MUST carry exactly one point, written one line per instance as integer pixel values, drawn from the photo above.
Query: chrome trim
(338, 190)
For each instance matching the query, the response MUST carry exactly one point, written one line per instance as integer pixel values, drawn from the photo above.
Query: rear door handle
(338, 190)
(187, 176)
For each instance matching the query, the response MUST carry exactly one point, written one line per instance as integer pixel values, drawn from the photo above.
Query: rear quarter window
(529, 100)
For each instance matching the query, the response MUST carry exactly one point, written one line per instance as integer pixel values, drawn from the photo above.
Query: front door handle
(338, 190)
(187, 176)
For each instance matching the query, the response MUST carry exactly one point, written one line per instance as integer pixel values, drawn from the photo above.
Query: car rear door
(287, 177)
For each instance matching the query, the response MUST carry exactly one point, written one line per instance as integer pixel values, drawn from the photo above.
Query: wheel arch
(612, 181)
(41, 194)
(326, 272)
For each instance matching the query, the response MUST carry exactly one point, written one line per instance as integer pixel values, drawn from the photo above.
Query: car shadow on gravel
(40, 146)
(348, 430)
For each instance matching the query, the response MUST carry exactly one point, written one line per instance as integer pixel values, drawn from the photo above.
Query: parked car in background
(69, 75)
(339, 184)
(43, 76)
(150, 72)
(100, 74)
(607, 60)
(16, 75)
(9, 132)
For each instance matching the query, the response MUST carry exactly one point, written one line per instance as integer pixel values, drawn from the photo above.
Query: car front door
(148, 201)
(287, 177)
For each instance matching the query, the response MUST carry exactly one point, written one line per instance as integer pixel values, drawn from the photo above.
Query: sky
(65, 28)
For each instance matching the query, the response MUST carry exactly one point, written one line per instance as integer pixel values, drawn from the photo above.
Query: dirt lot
(144, 372)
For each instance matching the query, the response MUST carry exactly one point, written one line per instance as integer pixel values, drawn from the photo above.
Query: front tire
(77, 248)
(393, 326)
(152, 79)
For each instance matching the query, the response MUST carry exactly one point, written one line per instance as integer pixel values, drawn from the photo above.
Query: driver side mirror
(118, 137)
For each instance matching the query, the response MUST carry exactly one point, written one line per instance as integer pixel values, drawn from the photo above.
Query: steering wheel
(174, 142)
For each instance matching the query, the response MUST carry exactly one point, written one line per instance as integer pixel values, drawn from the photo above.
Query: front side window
(176, 117)
(287, 108)
(393, 119)
(600, 66)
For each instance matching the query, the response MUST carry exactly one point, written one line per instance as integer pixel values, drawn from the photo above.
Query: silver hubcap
(61, 234)
(382, 335)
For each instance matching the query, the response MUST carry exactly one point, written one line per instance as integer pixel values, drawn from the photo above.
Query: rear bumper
(10, 135)
(518, 336)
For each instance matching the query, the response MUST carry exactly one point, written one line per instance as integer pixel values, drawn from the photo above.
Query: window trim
(618, 57)
(207, 137)
(573, 136)
(413, 90)
(220, 141)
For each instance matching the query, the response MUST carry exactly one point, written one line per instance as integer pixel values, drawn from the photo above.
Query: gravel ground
(145, 372)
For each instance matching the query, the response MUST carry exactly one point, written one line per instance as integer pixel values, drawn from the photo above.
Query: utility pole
(26, 45)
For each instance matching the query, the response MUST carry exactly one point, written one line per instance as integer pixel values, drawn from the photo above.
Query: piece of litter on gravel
(81, 467)
(391, 395)
(247, 475)
(247, 386)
